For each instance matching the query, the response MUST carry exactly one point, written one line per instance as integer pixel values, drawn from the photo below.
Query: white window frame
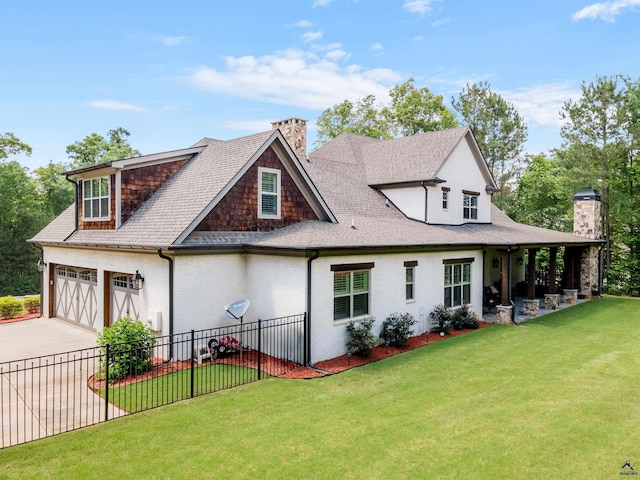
(352, 293)
(410, 284)
(89, 198)
(276, 194)
(457, 278)
(445, 200)
(470, 206)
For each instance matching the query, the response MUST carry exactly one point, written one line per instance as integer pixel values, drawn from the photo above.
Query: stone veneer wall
(238, 210)
(294, 131)
(587, 223)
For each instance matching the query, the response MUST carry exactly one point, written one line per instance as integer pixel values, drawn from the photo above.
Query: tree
(94, 149)
(417, 110)
(11, 145)
(499, 130)
(54, 191)
(411, 111)
(600, 145)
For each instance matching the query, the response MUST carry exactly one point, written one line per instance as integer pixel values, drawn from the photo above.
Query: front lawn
(556, 397)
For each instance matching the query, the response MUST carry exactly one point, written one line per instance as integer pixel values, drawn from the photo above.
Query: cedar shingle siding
(138, 184)
(238, 210)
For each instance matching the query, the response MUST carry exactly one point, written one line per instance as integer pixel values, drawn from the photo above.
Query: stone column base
(531, 307)
(570, 296)
(551, 301)
(504, 314)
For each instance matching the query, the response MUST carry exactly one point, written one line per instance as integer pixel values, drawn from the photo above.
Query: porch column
(531, 284)
(553, 254)
(505, 257)
(569, 267)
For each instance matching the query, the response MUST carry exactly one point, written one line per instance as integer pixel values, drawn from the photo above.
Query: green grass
(557, 397)
(173, 387)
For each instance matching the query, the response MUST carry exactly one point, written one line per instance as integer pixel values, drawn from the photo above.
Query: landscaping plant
(441, 319)
(32, 304)
(10, 307)
(130, 348)
(462, 318)
(361, 339)
(396, 329)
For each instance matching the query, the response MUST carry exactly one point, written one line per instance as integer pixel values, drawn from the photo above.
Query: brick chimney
(587, 223)
(295, 133)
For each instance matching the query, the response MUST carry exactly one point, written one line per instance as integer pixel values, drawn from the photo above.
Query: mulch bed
(27, 316)
(346, 362)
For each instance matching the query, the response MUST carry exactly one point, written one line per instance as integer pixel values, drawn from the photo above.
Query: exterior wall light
(495, 262)
(138, 280)
(42, 265)
(520, 261)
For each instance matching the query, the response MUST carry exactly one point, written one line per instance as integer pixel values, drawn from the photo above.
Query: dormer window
(95, 199)
(470, 205)
(268, 193)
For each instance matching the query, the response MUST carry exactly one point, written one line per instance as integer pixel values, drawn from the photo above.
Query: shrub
(361, 340)
(441, 319)
(10, 307)
(130, 348)
(462, 318)
(396, 329)
(32, 304)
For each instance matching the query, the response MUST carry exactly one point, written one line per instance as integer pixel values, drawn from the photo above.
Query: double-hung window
(445, 198)
(410, 291)
(350, 291)
(95, 199)
(268, 193)
(470, 205)
(457, 282)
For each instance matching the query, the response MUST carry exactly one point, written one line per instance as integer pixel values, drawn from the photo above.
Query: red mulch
(344, 362)
(27, 316)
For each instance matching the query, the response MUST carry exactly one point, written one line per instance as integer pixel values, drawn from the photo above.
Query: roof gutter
(77, 207)
(170, 260)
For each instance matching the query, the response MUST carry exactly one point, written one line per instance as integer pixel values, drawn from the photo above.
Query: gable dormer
(110, 193)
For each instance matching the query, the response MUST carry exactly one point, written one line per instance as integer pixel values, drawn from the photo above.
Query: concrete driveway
(44, 368)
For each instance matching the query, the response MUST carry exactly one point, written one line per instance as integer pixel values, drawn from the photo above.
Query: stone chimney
(295, 133)
(587, 223)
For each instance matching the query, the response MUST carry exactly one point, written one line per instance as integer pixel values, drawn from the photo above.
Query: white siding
(410, 200)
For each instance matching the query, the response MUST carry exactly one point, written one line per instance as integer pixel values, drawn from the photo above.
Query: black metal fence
(44, 396)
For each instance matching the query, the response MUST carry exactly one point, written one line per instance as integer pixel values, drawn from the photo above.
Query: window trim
(102, 217)
(468, 209)
(461, 284)
(351, 294)
(277, 194)
(411, 283)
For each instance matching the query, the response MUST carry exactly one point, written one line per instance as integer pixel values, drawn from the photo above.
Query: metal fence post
(259, 348)
(193, 351)
(106, 384)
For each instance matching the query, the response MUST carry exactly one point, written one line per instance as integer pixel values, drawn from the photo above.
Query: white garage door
(75, 295)
(124, 298)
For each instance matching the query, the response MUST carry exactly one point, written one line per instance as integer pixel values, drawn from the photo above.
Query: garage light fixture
(138, 280)
(41, 265)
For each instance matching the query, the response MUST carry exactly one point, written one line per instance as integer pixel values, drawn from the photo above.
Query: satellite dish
(237, 309)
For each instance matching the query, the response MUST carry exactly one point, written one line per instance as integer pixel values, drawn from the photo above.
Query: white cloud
(321, 3)
(440, 22)
(541, 104)
(302, 24)
(295, 77)
(311, 36)
(114, 105)
(607, 11)
(418, 6)
(377, 47)
(171, 41)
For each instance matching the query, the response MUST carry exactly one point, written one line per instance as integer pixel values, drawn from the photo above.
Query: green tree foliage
(499, 130)
(412, 110)
(11, 145)
(94, 149)
(55, 192)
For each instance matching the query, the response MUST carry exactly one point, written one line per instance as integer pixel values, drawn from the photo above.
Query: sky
(173, 71)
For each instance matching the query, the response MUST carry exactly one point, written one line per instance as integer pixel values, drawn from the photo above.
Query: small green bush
(361, 339)
(32, 304)
(396, 329)
(462, 318)
(10, 307)
(441, 319)
(130, 348)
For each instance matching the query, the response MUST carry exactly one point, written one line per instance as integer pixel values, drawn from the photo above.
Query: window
(409, 283)
(268, 193)
(95, 195)
(445, 198)
(350, 294)
(457, 282)
(470, 205)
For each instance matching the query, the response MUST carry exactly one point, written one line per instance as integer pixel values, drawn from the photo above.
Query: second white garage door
(124, 298)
